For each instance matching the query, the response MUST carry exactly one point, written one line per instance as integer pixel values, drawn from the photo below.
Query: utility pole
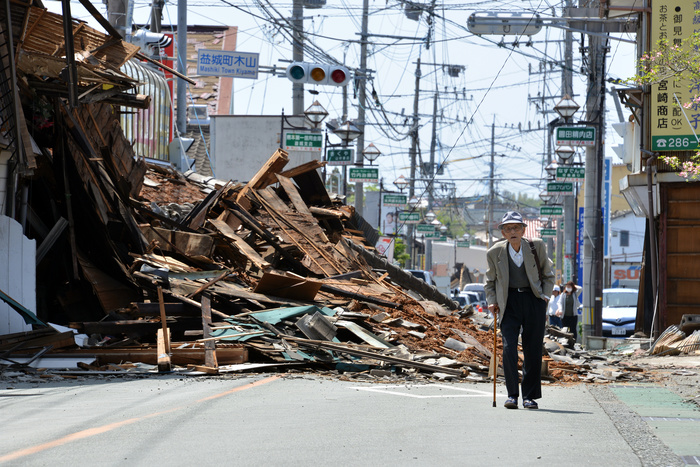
(362, 97)
(116, 15)
(491, 181)
(570, 214)
(297, 55)
(431, 185)
(182, 66)
(156, 14)
(412, 154)
(593, 227)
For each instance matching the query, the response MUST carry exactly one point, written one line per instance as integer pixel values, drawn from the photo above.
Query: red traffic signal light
(339, 75)
(318, 73)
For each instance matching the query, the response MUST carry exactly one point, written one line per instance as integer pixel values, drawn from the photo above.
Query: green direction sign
(575, 136)
(398, 201)
(560, 187)
(545, 233)
(551, 211)
(303, 141)
(577, 174)
(409, 217)
(340, 156)
(425, 228)
(463, 244)
(364, 174)
(674, 143)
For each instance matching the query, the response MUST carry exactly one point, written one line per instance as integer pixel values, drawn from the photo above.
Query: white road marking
(393, 390)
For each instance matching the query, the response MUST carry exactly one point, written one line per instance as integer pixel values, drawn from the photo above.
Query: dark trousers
(527, 312)
(555, 321)
(571, 322)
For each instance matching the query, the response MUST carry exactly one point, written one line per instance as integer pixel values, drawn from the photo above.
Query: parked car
(425, 276)
(478, 289)
(619, 312)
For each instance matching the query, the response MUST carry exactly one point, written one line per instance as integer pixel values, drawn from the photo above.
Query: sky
(499, 86)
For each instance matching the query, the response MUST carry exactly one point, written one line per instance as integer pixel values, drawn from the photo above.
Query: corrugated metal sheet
(17, 274)
(148, 129)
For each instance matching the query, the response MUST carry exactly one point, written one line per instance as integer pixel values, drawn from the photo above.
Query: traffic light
(629, 150)
(318, 73)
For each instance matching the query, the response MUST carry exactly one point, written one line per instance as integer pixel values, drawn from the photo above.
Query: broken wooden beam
(374, 355)
(360, 297)
(265, 175)
(239, 244)
(209, 345)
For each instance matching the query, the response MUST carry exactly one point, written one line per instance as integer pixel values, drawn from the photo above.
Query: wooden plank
(303, 168)
(184, 353)
(291, 190)
(288, 286)
(209, 345)
(323, 212)
(253, 224)
(269, 195)
(163, 320)
(239, 244)
(262, 179)
(164, 364)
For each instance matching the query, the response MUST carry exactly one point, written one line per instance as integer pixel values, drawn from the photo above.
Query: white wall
(17, 274)
(473, 257)
(241, 144)
(625, 262)
(636, 227)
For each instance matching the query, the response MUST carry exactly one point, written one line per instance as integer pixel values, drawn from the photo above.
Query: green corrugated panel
(276, 315)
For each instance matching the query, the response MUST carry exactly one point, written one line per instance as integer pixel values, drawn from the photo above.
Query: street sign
(340, 156)
(546, 233)
(409, 217)
(425, 228)
(575, 136)
(364, 174)
(551, 211)
(303, 141)
(560, 187)
(226, 63)
(576, 174)
(398, 201)
(463, 244)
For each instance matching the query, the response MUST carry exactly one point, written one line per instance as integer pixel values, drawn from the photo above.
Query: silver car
(619, 312)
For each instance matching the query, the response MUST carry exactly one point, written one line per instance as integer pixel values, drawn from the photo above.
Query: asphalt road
(305, 420)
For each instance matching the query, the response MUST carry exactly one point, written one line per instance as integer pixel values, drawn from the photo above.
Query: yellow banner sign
(673, 127)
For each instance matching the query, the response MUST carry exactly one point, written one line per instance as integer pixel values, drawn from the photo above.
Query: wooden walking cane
(493, 366)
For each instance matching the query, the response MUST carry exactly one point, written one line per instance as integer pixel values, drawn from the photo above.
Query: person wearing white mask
(567, 308)
(552, 308)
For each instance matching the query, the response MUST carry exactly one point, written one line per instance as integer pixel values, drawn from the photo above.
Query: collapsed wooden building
(148, 264)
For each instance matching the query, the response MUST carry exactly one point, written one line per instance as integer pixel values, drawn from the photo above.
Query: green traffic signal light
(297, 72)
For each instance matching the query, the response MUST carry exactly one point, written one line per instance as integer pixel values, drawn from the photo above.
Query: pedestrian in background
(567, 308)
(519, 280)
(552, 307)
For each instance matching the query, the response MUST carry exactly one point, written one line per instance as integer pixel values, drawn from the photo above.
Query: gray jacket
(497, 273)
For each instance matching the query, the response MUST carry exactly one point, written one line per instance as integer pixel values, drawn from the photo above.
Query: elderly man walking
(519, 280)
